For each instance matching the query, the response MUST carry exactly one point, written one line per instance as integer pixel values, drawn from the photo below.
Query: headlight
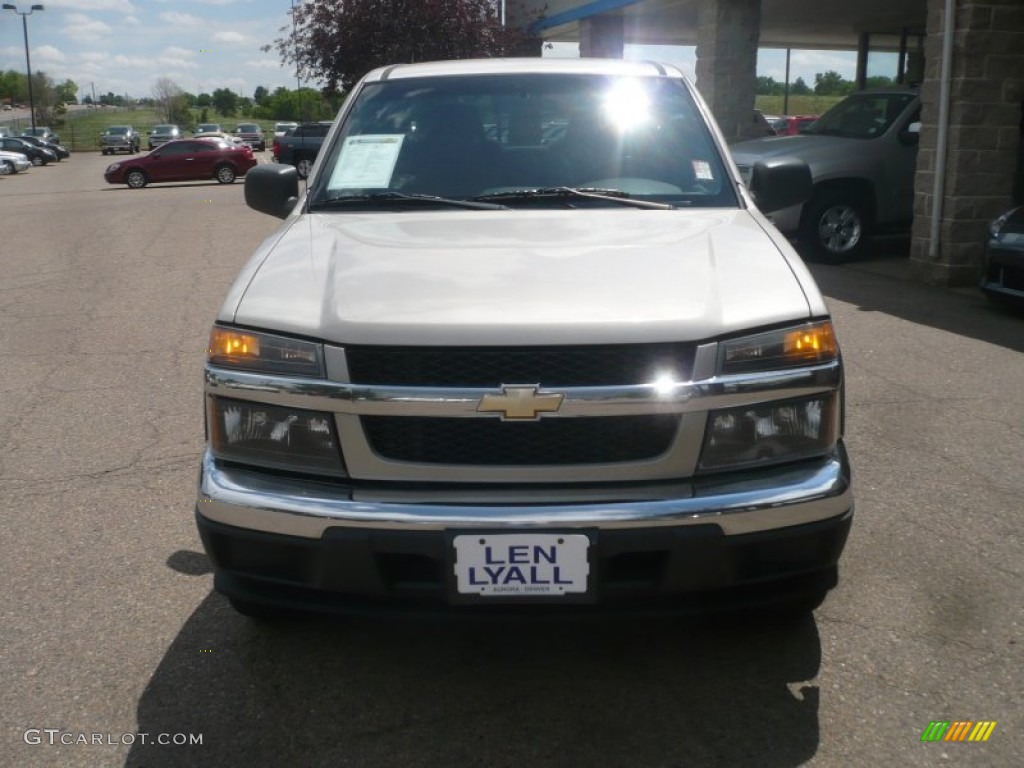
(995, 230)
(996, 226)
(274, 436)
(265, 352)
(770, 433)
(809, 344)
(113, 167)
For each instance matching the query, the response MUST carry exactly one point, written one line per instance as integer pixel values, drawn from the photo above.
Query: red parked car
(184, 160)
(791, 126)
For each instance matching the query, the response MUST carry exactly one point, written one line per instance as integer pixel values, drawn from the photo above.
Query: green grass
(81, 129)
(798, 105)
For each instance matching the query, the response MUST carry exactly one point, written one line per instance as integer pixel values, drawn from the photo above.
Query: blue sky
(125, 45)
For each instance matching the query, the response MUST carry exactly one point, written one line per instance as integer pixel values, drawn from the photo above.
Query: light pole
(28, 62)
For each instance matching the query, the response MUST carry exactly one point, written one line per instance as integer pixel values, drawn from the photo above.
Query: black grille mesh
(601, 365)
(1013, 278)
(492, 442)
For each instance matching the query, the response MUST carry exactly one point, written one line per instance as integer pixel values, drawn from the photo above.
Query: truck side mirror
(911, 135)
(272, 188)
(779, 183)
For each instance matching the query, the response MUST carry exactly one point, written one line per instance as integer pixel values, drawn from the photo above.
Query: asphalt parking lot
(110, 628)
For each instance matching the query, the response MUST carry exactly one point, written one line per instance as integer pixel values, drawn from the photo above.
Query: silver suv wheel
(836, 226)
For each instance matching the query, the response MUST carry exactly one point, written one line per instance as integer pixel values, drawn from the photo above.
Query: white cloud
(83, 29)
(47, 54)
(178, 53)
(177, 58)
(133, 62)
(131, 21)
(229, 37)
(263, 64)
(123, 6)
(180, 19)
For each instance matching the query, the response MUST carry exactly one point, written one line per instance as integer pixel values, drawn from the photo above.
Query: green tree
(204, 100)
(67, 92)
(260, 94)
(302, 105)
(879, 81)
(831, 83)
(225, 101)
(14, 86)
(767, 86)
(799, 87)
(338, 41)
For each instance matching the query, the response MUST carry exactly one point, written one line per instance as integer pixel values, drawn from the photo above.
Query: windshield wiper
(402, 197)
(586, 193)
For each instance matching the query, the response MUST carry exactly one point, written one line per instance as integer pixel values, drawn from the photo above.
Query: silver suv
(862, 154)
(526, 342)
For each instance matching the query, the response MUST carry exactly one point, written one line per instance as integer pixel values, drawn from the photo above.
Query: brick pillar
(727, 37)
(986, 98)
(601, 37)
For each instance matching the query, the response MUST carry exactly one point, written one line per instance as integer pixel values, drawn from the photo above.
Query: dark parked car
(252, 134)
(208, 128)
(119, 138)
(300, 146)
(161, 134)
(59, 150)
(36, 155)
(184, 160)
(42, 132)
(1002, 279)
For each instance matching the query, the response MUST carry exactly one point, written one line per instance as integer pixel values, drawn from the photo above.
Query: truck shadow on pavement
(409, 692)
(881, 282)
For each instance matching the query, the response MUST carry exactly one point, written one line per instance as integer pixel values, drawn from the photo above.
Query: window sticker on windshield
(367, 161)
(702, 170)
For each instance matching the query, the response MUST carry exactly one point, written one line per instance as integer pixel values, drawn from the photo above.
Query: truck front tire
(835, 226)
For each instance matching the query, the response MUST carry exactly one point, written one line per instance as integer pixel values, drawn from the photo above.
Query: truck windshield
(861, 116)
(493, 136)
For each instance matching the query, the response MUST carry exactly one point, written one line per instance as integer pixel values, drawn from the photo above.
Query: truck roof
(524, 65)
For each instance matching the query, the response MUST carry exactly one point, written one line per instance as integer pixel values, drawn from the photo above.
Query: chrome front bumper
(749, 503)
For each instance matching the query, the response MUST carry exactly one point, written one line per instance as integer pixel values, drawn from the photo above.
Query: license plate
(521, 564)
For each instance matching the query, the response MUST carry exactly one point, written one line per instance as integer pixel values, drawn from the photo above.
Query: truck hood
(519, 277)
(809, 148)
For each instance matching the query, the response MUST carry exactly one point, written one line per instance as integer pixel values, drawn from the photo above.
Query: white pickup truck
(526, 342)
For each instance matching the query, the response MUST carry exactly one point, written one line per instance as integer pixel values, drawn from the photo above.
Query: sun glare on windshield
(627, 105)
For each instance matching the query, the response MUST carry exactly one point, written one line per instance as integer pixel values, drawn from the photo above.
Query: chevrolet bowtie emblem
(520, 402)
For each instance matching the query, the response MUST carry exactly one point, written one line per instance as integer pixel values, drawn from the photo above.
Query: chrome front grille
(404, 433)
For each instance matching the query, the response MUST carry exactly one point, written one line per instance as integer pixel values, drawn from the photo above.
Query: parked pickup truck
(863, 155)
(300, 146)
(252, 135)
(119, 138)
(505, 357)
